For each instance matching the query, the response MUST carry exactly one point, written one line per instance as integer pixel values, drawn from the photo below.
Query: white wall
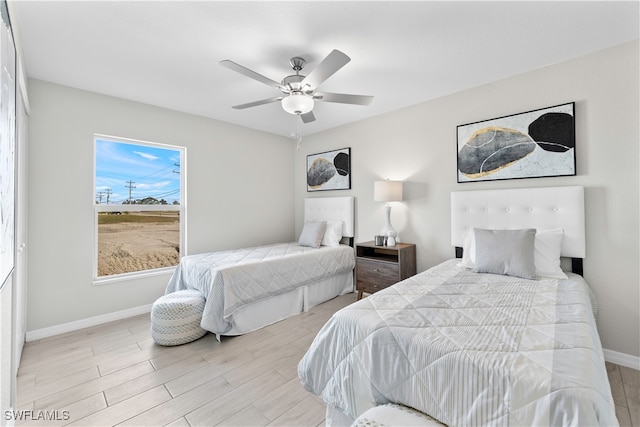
(239, 193)
(418, 145)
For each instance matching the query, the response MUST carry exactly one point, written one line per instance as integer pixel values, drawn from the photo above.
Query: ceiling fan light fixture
(299, 91)
(297, 103)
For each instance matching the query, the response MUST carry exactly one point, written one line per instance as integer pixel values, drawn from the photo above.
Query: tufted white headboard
(541, 208)
(332, 208)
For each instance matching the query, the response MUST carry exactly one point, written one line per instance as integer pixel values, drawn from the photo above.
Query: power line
(158, 171)
(163, 195)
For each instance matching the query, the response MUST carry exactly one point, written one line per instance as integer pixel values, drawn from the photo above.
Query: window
(138, 208)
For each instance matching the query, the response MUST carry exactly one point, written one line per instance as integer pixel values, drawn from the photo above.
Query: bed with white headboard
(249, 288)
(467, 345)
(543, 208)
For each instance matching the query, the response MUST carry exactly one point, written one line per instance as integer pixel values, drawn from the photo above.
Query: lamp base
(388, 229)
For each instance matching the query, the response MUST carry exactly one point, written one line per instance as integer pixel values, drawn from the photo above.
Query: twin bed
(249, 288)
(501, 336)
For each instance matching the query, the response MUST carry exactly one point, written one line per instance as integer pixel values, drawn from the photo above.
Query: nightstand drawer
(376, 272)
(371, 288)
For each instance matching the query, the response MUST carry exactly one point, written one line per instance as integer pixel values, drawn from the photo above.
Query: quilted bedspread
(467, 349)
(233, 278)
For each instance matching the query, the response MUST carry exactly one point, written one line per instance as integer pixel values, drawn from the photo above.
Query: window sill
(119, 278)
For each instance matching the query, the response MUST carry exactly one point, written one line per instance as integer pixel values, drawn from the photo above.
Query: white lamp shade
(297, 103)
(387, 191)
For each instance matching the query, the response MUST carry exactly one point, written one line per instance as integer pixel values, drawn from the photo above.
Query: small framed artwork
(330, 170)
(534, 144)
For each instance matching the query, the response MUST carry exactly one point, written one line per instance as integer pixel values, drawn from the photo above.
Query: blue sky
(153, 170)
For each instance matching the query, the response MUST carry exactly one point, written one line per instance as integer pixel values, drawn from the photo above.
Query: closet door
(20, 272)
(7, 148)
(7, 210)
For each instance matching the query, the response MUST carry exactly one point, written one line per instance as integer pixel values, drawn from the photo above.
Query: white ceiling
(166, 53)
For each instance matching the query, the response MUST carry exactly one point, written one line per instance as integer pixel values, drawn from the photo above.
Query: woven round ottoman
(175, 318)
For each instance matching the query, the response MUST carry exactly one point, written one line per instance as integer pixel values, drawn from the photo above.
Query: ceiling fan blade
(308, 117)
(343, 98)
(256, 103)
(250, 73)
(325, 69)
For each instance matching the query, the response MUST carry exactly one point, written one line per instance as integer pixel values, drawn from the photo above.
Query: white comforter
(233, 278)
(467, 349)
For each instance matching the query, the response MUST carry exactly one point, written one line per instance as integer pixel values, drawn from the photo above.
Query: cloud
(154, 186)
(146, 155)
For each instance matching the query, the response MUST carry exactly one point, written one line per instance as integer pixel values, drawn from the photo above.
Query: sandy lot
(127, 247)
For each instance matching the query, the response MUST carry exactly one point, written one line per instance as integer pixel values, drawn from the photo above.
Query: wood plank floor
(114, 374)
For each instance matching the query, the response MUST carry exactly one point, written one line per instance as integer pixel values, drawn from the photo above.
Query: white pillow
(469, 250)
(547, 253)
(506, 252)
(312, 233)
(548, 244)
(332, 234)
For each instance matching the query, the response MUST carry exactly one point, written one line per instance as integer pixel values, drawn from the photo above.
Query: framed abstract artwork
(534, 144)
(330, 170)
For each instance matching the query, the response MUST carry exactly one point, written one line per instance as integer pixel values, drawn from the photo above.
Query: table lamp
(388, 191)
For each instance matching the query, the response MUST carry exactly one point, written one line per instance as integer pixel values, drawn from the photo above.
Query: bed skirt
(334, 417)
(262, 313)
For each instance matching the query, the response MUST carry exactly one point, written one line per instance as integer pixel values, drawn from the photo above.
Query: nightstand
(378, 267)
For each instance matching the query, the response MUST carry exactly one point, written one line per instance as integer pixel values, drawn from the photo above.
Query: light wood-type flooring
(114, 374)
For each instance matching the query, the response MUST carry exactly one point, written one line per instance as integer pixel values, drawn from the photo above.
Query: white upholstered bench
(175, 318)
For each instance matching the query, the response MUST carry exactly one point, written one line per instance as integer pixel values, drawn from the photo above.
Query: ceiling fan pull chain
(299, 140)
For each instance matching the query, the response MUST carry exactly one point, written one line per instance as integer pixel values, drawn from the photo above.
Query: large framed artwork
(330, 170)
(534, 144)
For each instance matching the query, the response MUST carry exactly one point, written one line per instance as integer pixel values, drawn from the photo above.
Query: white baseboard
(86, 323)
(622, 359)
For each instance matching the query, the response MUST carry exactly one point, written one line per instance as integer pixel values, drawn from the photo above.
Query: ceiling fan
(299, 92)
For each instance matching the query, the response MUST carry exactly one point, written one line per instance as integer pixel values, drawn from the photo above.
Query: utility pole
(178, 166)
(100, 194)
(131, 187)
(108, 192)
